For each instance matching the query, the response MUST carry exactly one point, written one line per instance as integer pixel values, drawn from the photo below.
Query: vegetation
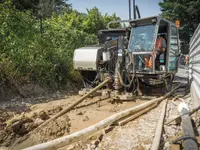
(38, 50)
(184, 10)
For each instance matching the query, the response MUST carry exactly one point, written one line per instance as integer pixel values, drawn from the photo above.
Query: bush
(44, 57)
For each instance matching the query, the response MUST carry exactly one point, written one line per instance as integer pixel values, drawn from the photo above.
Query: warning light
(178, 24)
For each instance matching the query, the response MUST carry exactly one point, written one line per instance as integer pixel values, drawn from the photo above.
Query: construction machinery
(146, 52)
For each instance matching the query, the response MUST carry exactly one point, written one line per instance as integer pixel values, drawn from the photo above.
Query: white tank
(86, 58)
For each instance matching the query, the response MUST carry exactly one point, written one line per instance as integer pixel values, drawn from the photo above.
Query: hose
(133, 76)
(122, 82)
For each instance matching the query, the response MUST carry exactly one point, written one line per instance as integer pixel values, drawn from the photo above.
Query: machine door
(173, 50)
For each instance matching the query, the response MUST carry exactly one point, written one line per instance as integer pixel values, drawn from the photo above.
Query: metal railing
(194, 66)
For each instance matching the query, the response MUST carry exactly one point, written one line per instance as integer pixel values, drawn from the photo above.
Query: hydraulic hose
(133, 75)
(122, 82)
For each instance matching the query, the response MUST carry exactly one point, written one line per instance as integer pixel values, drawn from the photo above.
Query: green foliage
(40, 8)
(46, 58)
(94, 20)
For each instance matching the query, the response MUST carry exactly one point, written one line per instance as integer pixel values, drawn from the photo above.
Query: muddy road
(20, 117)
(135, 135)
(16, 122)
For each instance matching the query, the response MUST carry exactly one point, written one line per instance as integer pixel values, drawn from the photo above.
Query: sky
(120, 7)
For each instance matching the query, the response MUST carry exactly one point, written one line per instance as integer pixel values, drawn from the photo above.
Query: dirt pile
(55, 129)
(14, 131)
(4, 115)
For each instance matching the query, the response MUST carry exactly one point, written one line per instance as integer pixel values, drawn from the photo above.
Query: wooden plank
(158, 134)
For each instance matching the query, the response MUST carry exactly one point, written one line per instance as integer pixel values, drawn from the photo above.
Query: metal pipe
(129, 1)
(134, 10)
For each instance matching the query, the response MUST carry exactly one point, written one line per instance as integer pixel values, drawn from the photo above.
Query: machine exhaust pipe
(129, 2)
(134, 9)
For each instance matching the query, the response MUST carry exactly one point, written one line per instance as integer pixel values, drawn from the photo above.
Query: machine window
(173, 31)
(142, 38)
(174, 39)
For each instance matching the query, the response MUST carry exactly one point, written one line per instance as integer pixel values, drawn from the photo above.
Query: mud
(19, 123)
(14, 128)
(53, 130)
(138, 134)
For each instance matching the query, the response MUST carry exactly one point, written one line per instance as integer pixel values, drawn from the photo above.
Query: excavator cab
(154, 44)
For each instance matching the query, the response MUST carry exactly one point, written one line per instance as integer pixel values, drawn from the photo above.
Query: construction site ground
(19, 117)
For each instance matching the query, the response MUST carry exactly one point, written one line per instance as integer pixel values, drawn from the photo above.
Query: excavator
(142, 52)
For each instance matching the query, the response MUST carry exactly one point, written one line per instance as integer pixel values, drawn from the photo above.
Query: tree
(187, 11)
(25, 55)
(40, 7)
(107, 18)
(94, 21)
